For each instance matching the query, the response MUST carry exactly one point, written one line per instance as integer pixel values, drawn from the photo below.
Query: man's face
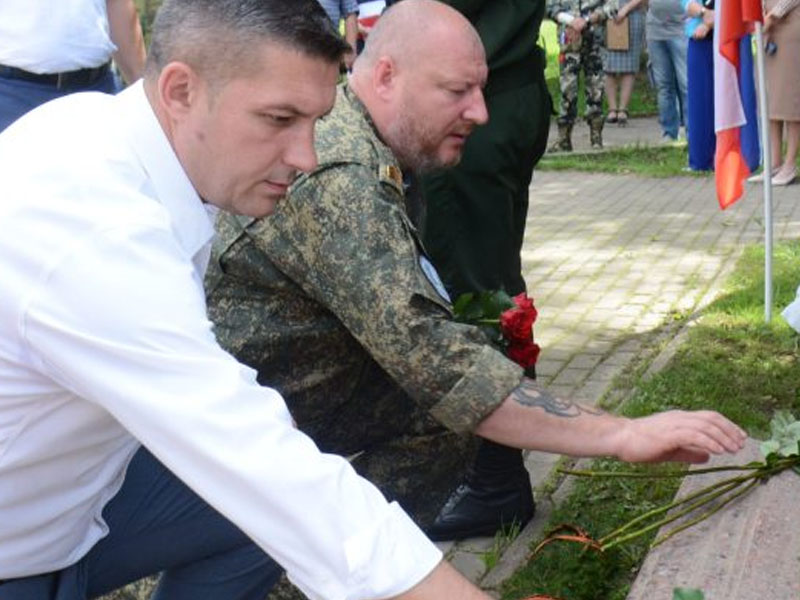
(439, 102)
(245, 142)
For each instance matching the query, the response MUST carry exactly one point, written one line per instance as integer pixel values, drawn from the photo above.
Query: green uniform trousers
(476, 211)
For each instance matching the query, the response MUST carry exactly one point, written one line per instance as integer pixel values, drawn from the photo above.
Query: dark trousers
(476, 211)
(18, 96)
(157, 524)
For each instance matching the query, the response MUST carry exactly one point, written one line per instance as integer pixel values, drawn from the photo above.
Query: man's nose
(300, 153)
(476, 111)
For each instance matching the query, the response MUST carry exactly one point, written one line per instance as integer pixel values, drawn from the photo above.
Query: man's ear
(384, 77)
(178, 89)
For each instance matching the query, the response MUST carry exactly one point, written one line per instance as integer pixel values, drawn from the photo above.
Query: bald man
(333, 300)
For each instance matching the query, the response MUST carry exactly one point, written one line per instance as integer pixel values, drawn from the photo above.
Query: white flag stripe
(728, 109)
(371, 9)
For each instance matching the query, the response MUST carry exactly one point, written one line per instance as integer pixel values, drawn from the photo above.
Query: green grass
(652, 161)
(643, 101)
(732, 362)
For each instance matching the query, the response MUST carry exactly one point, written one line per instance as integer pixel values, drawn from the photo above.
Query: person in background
(130, 442)
(474, 225)
(581, 37)
(50, 49)
(700, 92)
(621, 66)
(782, 31)
(346, 10)
(667, 45)
(368, 13)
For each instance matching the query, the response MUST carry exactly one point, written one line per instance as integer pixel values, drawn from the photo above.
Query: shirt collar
(192, 220)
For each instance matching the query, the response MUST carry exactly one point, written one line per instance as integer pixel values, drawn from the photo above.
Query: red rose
(516, 323)
(525, 355)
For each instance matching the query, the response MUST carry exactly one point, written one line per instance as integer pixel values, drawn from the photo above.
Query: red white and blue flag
(735, 122)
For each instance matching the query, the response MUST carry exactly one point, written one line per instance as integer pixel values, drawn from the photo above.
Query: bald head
(415, 30)
(420, 78)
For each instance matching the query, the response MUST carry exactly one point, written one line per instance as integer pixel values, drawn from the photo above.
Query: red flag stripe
(731, 168)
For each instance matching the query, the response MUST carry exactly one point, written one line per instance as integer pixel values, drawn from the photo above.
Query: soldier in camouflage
(581, 37)
(333, 300)
(335, 304)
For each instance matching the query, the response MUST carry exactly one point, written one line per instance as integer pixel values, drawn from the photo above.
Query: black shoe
(475, 510)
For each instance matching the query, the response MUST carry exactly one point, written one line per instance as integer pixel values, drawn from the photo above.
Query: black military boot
(596, 132)
(564, 141)
(495, 494)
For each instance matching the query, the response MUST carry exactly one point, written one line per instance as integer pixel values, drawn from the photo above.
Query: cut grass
(731, 361)
(651, 161)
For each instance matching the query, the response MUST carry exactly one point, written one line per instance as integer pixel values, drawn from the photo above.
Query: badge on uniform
(433, 278)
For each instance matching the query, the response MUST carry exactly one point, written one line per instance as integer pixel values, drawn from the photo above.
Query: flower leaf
(461, 303)
(785, 440)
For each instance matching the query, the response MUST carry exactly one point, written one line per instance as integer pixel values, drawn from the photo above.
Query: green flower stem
(705, 515)
(485, 322)
(717, 492)
(706, 495)
(667, 507)
(638, 475)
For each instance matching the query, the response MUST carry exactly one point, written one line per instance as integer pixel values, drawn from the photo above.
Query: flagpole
(766, 150)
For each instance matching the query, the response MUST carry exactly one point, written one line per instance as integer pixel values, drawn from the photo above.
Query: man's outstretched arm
(533, 418)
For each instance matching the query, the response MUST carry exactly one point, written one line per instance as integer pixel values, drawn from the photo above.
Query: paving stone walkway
(608, 258)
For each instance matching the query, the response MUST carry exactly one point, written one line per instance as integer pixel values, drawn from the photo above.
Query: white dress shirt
(42, 36)
(104, 343)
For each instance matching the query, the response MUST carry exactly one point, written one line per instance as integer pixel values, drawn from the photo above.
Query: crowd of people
(679, 37)
(224, 279)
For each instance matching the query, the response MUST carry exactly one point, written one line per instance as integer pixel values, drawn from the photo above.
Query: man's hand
(444, 583)
(700, 31)
(708, 18)
(678, 435)
(578, 24)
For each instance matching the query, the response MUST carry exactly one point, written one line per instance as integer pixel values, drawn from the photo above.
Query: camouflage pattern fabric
(582, 51)
(329, 301)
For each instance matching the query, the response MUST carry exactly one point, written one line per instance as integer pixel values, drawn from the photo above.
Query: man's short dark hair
(217, 37)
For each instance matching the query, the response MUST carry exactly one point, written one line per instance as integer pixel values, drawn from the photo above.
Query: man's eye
(277, 119)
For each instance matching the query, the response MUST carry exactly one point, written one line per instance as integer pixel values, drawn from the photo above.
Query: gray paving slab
(749, 549)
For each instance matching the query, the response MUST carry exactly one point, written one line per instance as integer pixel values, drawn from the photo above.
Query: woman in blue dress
(700, 63)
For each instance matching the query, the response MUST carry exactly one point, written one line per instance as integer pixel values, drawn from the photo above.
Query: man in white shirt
(106, 205)
(51, 49)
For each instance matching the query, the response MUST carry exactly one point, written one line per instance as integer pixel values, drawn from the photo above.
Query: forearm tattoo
(528, 393)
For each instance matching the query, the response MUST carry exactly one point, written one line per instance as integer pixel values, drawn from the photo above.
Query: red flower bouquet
(508, 322)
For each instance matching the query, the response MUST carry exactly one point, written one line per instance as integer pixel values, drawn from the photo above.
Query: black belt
(67, 79)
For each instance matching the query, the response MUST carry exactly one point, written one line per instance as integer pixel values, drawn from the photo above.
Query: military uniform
(477, 210)
(581, 51)
(335, 304)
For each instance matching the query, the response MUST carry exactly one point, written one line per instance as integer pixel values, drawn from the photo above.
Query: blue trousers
(668, 58)
(18, 96)
(702, 139)
(157, 524)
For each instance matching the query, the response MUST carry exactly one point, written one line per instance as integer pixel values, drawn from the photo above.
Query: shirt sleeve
(343, 236)
(121, 322)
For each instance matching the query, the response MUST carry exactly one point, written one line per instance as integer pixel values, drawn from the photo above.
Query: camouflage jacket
(333, 292)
